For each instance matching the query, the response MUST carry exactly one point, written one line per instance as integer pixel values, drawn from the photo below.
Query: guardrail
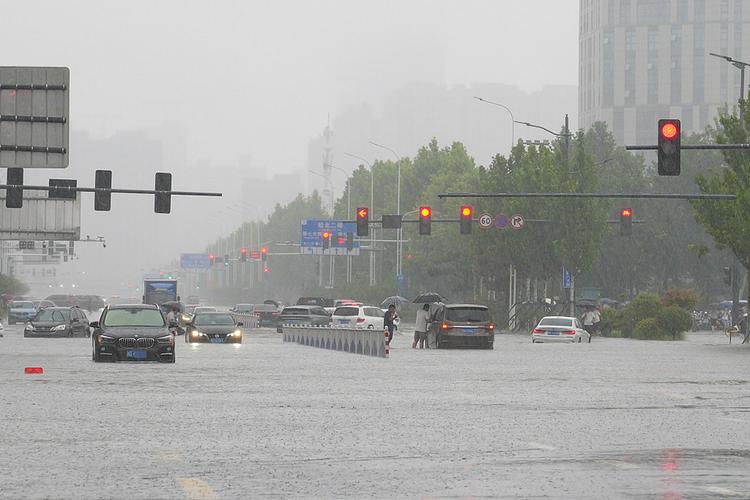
(353, 340)
(248, 320)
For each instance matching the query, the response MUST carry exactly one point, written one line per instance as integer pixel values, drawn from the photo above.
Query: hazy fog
(215, 90)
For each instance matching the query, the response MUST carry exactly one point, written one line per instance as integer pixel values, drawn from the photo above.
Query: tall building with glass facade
(641, 60)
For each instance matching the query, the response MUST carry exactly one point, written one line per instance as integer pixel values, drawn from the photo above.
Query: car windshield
(213, 320)
(23, 305)
(346, 311)
(243, 307)
(133, 317)
(295, 310)
(53, 315)
(204, 309)
(556, 322)
(468, 314)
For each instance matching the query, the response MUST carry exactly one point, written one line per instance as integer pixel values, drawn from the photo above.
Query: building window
(653, 44)
(651, 12)
(724, 9)
(699, 39)
(630, 41)
(624, 11)
(683, 11)
(675, 88)
(724, 38)
(700, 11)
(738, 10)
(653, 85)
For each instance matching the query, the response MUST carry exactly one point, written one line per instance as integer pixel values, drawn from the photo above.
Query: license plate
(217, 340)
(137, 354)
(553, 333)
(344, 321)
(470, 330)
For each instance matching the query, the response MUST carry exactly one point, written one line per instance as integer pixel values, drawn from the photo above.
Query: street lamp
(566, 134)
(512, 120)
(398, 203)
(372, 202)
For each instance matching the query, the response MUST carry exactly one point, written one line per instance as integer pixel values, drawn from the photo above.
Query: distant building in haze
(641, 60)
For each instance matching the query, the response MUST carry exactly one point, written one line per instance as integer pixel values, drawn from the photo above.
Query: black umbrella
(396, 300)
(429, 298)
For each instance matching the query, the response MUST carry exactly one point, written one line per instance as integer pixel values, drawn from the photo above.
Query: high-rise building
(641, 60)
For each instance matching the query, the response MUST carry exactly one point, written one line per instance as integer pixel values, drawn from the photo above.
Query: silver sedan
(559, 329)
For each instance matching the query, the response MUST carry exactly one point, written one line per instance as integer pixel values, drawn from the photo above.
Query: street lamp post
(372, 207)
(399, 247)
(735, 266)
(512, 120)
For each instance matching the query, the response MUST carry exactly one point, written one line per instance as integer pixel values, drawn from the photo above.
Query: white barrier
(353, 340)
(248, 320)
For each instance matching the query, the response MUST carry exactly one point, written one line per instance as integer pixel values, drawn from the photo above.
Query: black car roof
(133, 306)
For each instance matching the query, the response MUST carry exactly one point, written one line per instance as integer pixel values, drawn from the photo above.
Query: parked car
(559, 329)
(21, 311)
(58, 322)
(356, 316)
(214, 328)
(462, 325)
(41, 304)
(136, 332)
(303, 315)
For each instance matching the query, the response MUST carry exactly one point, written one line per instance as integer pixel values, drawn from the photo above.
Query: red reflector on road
(32, 370)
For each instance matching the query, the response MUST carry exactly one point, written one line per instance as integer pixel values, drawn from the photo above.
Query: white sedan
(355, 316)
(559, 329)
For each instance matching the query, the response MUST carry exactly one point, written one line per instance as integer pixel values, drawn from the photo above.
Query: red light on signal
(626, 212)
(264, 250)
(362, 213)
(466, 211)
(669, 130)
(425, 211)
(326, 235)
(266, 270)
(243, 250)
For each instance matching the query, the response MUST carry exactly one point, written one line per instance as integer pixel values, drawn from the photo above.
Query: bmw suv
(132, 333)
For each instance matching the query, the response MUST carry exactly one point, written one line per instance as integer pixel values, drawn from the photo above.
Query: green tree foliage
(12, 286)
(680, 297)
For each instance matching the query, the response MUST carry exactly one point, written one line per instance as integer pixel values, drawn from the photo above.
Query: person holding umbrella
(389, 321)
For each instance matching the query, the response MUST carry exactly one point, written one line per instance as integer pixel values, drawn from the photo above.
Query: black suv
(303, 315)
(58, 322)
(132, 333)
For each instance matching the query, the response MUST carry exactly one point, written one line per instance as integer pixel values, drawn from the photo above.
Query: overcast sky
(259, 77)
(257, 80)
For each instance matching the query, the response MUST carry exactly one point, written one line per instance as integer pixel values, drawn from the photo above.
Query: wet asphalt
(612, 419)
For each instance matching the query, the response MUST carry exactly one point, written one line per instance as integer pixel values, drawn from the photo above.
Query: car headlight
(59, 328)
(196, 333)
(105, 339)
(185, 318)
(236, 333)
(29, 327)
(166, 339)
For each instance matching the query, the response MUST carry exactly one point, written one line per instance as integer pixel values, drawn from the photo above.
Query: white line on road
(197, 489)
(723, 491)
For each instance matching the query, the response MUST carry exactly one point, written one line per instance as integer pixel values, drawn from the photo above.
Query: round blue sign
(501, 221)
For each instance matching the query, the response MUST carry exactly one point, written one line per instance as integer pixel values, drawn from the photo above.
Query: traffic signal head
(425, 220)
(226, 260)
(727, 275)
(163, 199)
(264, 254)
(626, 222)
(326, 235)
(668, 148)
(243, 254)
(467, 213)
(363, 221)
(103, 195)
(14, 195)
(212, 259)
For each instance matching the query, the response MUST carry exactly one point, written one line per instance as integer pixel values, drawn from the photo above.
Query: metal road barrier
(248, 320)
(354, 340)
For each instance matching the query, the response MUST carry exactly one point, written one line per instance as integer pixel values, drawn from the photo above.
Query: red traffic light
(326, 235)
(626, 212)
(244, 250)
(466, 211)
(425, 212)
(266, 270)
(670, 130)
(362, 213)
(211, 257)
(264, 250)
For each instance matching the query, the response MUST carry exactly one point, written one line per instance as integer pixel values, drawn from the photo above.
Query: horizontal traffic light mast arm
(669, 196)
(692, 146)
(106, 190)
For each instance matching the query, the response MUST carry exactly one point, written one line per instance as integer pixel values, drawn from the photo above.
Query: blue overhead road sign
(194, 261)
(311, 241)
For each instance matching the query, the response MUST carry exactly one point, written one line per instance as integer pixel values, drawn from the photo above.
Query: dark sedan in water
(214, 328)
(132, 333)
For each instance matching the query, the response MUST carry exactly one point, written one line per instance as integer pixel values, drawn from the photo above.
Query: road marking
(169, 456)
(722, 491)
(196, 489)
(727, 419)
(541, 446)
